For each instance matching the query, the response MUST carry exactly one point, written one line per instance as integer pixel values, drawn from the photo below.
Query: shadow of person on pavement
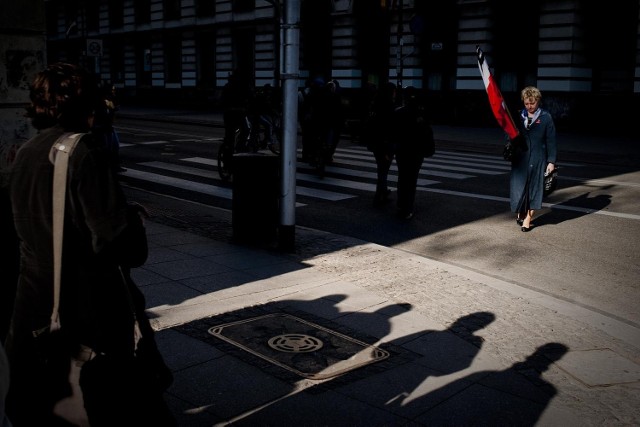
(516, 396)
(573, 209)
(340, 321)
(436, 353)
(443, 353)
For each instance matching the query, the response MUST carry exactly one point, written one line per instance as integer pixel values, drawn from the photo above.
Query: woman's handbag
(125, 385)
(508, 152)
(550, 182)
(513, 148)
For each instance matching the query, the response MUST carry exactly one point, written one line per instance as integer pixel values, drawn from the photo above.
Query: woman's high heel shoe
(519, 221)
(525, 229)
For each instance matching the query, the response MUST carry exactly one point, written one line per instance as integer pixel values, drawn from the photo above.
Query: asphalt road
(584, 247)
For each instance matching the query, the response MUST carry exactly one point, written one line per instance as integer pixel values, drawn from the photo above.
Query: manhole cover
(295, 343)
(307, 349)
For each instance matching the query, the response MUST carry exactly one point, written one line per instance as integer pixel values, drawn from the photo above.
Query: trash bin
(254, 207)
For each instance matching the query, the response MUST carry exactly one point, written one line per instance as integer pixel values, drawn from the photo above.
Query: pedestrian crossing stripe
(210, 174)
(317, 193)
(356, 185)
(428, 165)
(184, 184)
(458, 166)
(361, 174)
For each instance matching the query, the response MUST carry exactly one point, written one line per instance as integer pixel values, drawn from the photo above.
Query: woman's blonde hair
(531, 92)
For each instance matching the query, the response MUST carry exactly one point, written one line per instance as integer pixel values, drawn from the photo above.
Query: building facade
(185, 50)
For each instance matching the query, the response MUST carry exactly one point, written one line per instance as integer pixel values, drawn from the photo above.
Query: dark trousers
(383, 163)
(408, 172)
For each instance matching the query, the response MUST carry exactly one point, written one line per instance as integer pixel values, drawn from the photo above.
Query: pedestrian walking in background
(529, 166)
(103, 125)
(414, 141)
(302, 118)
(327, 119)
(377, 134)
(335, 117)
(103, 237)
(236, 98)
(312, 112)
(264, 113)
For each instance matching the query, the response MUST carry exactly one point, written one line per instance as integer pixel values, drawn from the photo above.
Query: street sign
(94, 47)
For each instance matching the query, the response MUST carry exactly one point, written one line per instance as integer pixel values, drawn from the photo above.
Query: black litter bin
(254, 213)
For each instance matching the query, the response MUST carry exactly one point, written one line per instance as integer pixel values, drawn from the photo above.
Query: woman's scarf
(527, 121)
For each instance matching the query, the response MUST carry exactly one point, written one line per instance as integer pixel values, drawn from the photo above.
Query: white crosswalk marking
(361, 174)
(188, 170)
(427, 165)
(341, 161)
(183, 184)
(152, 142)
(205, 173)
(201, 160)
(353, 168)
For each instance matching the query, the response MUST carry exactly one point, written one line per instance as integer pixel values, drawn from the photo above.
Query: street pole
(400, 44)
(288, 152)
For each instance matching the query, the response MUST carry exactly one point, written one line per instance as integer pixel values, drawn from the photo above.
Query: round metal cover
(295, 343)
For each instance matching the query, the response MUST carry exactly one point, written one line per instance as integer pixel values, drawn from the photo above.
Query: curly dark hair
(63, 94)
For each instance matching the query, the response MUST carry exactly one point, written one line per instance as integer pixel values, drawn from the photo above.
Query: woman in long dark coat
(529, 167)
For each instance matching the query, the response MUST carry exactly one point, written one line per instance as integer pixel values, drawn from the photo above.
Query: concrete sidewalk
(435, 344)
(349, 333)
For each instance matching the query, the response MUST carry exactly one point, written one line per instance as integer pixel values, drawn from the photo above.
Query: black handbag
(513, 148)
(508, 153)
(550, 182)
(128, 384)
(119, 387)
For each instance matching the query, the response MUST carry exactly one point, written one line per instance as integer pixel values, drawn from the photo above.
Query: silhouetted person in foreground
(103, 237)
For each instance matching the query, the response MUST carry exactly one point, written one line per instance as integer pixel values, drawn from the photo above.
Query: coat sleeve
(114, 225)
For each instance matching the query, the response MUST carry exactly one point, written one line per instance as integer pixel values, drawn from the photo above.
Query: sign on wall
(94, 47)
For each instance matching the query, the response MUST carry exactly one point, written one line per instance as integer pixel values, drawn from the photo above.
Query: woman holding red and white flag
(532, 148)
(528, 168)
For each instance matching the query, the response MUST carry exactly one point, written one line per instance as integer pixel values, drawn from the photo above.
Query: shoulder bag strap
(59, 155)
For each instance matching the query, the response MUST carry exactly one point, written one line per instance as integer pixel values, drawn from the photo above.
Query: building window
(116, 59)
(171, 9)
(173, 58)
(72, 18)
(143, 11)
(116, 13)
(51, 14)
(611, 55)
(206, 60)
(143, 62)
(515, 58)
(92, 16)
(205, 8)
(241, 6)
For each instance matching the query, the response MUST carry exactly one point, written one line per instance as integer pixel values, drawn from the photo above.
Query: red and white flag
(496, 100)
